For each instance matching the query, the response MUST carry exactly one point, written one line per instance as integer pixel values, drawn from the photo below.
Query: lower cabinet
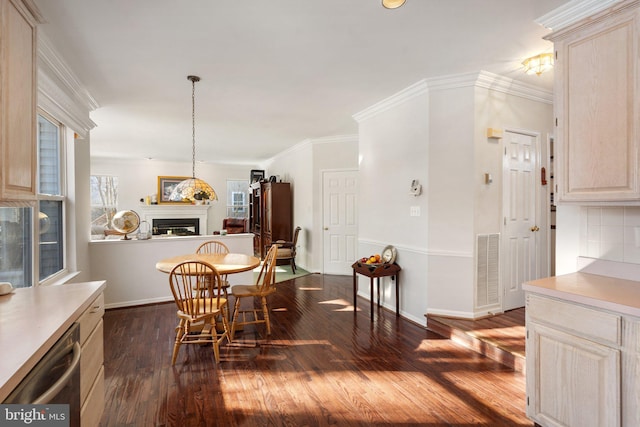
(582, 365)
(91, 363)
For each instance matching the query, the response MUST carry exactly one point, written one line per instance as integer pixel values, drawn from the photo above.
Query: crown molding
(60, 92)
(572, 12)
(310, 142)
(334, 139)
(491, 81)
(482, 79)
(401, 97)
(513, 87)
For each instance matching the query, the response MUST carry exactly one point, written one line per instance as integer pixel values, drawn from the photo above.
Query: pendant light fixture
(193, 189)
(392, 4)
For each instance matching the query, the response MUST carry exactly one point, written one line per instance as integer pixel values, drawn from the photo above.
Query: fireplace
(181, 219)
(176, 226)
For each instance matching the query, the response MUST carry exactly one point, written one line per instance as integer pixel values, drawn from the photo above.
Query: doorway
(520, 231)
(339, 221)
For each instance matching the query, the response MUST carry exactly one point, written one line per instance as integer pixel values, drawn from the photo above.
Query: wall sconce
(538, 64)
(493, 133)
(392, 4)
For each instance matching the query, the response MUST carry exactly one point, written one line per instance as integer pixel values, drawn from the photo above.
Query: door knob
(326, 228)
(535, 228)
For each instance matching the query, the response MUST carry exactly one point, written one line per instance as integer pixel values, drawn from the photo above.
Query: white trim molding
(401, 97)
(572, 12)
(60, 93)
(488, 80)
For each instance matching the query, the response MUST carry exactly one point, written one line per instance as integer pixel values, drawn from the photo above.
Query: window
(238, 198)
(104, 202)
(51, 198)
(16, 259)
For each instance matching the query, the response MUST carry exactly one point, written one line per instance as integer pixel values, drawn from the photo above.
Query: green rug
(283, 273)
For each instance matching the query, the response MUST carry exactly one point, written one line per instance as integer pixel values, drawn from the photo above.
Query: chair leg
(265, 312)
(293, 265)
(180, 331)
(234, 321)
(225, 324)
(214, 338)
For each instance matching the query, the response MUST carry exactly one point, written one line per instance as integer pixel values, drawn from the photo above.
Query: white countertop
(32, 320)
(609, 293)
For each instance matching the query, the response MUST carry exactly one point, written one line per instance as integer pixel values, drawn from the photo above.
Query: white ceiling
(274, 73)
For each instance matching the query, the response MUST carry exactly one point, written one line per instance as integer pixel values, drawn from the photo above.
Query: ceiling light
(193, 189)
(392, 4)
(538, 64)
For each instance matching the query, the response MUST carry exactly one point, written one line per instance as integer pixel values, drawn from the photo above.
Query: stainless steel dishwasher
(56, 377)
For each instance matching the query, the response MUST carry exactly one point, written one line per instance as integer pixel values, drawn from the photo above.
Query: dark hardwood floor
(322, 366)
(500, 337)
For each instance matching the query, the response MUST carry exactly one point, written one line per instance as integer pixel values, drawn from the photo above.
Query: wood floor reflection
(323, 365)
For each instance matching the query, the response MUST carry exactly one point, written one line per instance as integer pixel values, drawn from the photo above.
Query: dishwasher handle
(63, 380)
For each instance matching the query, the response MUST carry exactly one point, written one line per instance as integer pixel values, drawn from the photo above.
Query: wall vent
(488, 269)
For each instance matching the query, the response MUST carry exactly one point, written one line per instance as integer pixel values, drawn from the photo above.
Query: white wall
(139, 178)
(462, 205)
(435, 131)
(79, 213)
(129, 266)
(294, 166)
(451, 201)
(302, 166)
(394, 151)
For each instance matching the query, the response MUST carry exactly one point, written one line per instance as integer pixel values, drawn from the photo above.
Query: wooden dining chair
(198, 312)
(265, 286)
(287, 250)
(216, 247)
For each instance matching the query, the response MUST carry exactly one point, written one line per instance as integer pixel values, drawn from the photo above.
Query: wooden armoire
(271, 215)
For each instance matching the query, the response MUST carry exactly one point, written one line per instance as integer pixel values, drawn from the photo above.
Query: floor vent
(488, 269)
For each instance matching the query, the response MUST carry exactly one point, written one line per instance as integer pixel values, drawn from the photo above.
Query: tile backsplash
(610, 233)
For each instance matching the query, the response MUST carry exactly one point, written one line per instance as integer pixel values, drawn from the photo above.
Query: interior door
(520, 232)
(339, 216)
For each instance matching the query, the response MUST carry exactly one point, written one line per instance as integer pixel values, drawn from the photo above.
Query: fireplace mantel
(150, 212)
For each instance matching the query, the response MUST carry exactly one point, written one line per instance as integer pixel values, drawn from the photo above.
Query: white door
(340, 221)
(520, 232)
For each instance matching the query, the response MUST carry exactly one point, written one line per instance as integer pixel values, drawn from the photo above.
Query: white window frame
(60, 274)
(231, 205)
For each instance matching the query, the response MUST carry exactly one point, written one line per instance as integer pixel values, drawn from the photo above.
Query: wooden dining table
(224, 263)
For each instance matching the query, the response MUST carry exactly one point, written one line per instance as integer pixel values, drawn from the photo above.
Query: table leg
(378, 283)
(355, 292)
(371, 296)
(397, 294)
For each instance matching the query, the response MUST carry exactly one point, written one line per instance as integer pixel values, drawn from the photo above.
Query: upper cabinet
(18, 87)
(596, 100)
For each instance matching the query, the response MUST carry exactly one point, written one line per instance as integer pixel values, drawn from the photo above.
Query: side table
(376, 271)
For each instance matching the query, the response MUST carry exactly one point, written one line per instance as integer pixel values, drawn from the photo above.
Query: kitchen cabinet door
(18, 100)
(596, 104)
(571, 381)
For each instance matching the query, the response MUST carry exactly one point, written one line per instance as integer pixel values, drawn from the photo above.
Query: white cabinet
(17, 99)
(91, 363)
(596, 101)
(582, 365)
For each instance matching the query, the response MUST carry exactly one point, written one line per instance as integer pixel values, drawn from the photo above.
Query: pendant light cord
(193, 79)
(193, 127)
